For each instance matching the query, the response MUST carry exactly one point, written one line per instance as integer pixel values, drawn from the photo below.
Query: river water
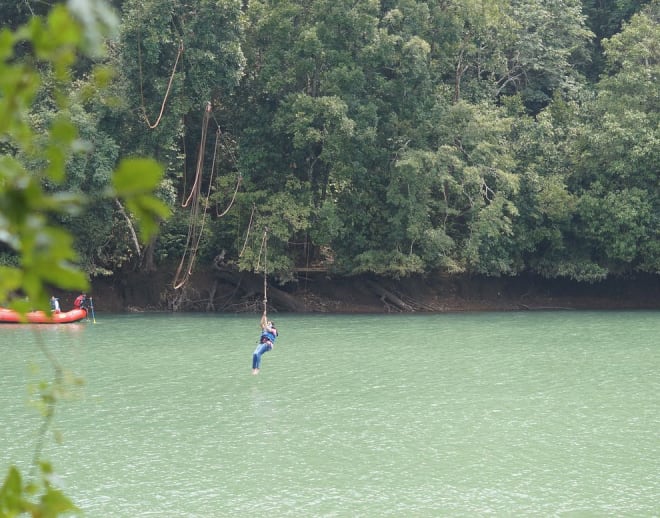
(504, 414)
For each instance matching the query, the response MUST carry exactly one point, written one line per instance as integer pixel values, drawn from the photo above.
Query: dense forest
(392, 137)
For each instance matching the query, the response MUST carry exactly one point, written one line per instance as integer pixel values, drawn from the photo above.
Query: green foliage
(135, 180)
(550, 47)
(196, 51)
(362, 104)
(44, 252)
(18, 497)
(616, 223)
(38, 145)
(605, 18)
(393, 264)
(619, 145)
(283, 214)
(364, 129)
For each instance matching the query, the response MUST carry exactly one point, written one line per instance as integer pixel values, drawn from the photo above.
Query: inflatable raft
(9, 316)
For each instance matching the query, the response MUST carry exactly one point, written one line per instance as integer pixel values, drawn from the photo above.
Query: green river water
(499, 414)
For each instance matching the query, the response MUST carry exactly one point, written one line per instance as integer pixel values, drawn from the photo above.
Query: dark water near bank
(531, 413)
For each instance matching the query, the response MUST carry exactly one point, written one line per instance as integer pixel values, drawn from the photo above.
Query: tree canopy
(392, 138)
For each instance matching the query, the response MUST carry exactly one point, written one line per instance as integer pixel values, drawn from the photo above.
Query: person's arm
(264, 320)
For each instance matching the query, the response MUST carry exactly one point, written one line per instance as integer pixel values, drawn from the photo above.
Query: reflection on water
(28, 331)
(495, 413)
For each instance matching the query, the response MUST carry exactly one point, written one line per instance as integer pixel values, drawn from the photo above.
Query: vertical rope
(265, 247)
(263, 251)
(247, 234)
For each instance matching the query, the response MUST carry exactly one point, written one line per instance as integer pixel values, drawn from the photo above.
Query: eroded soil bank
(319, 292)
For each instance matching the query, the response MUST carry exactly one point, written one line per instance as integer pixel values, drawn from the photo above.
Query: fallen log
(389, 298)
(248, 285)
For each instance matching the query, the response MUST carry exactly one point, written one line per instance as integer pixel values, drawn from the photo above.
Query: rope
(247, 234)
(185, 160)
(215, 154)
(261, 249)
(264, 244)
(233, 198)
(195, 189)
(238, 182)
(194, 230)
(169, 85)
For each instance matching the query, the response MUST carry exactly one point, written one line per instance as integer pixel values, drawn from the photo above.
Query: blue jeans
(258, 352)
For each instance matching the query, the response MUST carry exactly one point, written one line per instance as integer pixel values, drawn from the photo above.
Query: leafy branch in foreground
(37, 59)
(46, 256)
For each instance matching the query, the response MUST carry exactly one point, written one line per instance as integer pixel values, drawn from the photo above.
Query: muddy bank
(320, 293)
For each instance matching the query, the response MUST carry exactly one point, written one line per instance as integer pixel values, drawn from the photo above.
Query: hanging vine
(195, 227)
(169, 85)
(196, 203)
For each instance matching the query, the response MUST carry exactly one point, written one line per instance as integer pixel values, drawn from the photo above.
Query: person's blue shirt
(269, 333)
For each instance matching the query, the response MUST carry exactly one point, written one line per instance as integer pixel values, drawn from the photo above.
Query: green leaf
(6, 44)
(10, 280)
(136, 176)
(12, 499)
(62, 25)
(134, 181)
(55, 503)
(148, 210)
(98, 20)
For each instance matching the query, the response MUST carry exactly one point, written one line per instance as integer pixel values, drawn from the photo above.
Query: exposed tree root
(391, 301)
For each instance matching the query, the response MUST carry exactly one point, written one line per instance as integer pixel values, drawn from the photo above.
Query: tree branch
(130, 227)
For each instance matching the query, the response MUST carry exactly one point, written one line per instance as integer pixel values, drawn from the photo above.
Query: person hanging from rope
(266, 341)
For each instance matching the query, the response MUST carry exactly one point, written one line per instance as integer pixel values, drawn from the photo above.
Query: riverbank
(321, 293)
